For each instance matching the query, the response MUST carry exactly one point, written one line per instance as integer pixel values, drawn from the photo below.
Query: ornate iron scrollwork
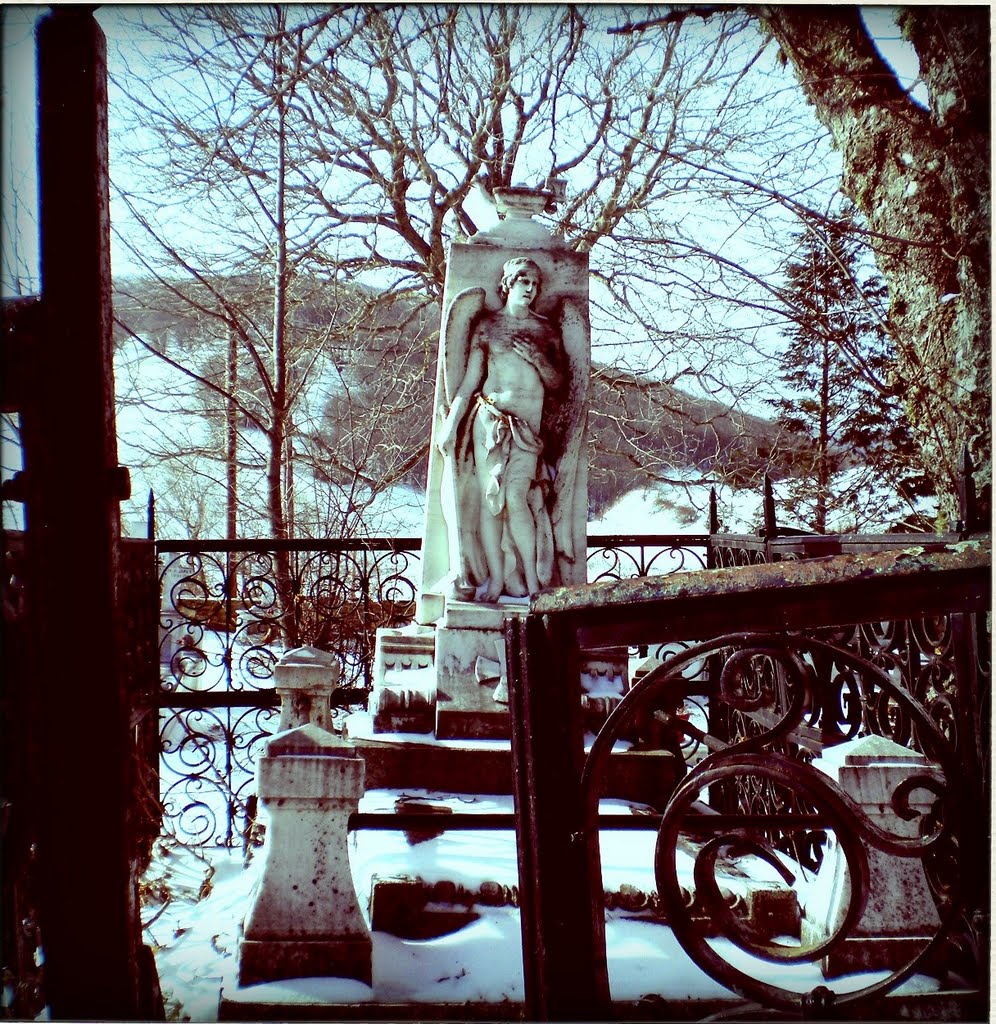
(621, 561)
(781, 804)
(228, 613)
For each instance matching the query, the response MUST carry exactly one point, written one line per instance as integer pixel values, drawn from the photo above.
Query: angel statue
(511, 439)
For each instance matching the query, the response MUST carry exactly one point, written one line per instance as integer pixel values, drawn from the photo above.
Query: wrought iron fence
(893, 645)
(229, 610)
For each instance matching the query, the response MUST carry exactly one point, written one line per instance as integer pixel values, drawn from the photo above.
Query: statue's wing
(570, 488)
(460, 316)
(457, 493)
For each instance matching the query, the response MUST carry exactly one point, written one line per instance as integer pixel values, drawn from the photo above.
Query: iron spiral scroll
(772, 678)
(621, 560)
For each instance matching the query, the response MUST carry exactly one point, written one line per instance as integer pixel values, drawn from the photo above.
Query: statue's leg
(519, 475)
(491, 542)
(490, 525)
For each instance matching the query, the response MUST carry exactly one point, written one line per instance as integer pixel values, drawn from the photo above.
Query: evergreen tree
(853, 454)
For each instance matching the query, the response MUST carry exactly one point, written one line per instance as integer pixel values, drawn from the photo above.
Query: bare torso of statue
(514, 365)
(519, 353)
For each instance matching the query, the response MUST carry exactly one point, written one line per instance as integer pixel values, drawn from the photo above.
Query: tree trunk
(279, 431)
(922, 180)
(232, 438)
(823, 477)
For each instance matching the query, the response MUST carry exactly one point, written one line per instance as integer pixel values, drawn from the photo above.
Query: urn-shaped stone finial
(304, 679)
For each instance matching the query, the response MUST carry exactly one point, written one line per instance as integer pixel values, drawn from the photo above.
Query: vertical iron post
(150, 516)
(971, 724)
(563, 925)
(770, 521)
(713, 529)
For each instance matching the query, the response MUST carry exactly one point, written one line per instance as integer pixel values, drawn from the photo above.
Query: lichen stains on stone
(896, 564)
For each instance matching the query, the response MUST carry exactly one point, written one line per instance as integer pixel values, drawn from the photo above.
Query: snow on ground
(679, 509)
(196, 934)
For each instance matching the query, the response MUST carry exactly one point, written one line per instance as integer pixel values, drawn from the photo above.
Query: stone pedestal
(304, 919)
(471, 687)
(900, 916)
(304, 680)
(404, 691)
(450, 679)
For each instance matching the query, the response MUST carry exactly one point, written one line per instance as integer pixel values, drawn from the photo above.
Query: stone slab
(476, 615)
(469, 667)
(245, 1009)
(928, 1006)
(308, 740)
(471, 265)
(461, 723)
(394, 764)
(406, 647)
(307, 779)
(642, 776)
(406, 705)
(402, 907)
(304, 667)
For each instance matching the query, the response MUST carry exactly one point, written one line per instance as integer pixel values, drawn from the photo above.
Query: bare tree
(396, 125)
(242, 270)
(921, 178)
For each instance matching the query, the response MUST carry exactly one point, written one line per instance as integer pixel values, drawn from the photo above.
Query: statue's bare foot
(493, 592)
(462, 592)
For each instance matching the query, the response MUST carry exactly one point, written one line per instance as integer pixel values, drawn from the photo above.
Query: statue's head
(516, 268)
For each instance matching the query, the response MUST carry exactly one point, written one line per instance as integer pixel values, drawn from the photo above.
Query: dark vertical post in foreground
(563, 946)
(89, 915)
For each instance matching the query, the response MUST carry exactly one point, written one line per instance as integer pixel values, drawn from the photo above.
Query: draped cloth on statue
(513, 454)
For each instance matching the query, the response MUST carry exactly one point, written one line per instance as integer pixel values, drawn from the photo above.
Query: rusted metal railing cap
(909, 562)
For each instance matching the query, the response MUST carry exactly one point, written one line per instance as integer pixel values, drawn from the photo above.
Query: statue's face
(524, 290)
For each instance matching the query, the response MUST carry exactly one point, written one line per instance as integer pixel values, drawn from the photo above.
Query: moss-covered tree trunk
(921, 177)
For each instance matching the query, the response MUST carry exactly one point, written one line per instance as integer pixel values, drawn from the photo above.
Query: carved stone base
(878, 953)
(304, 919)
(450, 679)
(900, 913)
(401, 650)
(403, 709)
(470, 671)
(262, 960)
(605, 673)
(404, 693)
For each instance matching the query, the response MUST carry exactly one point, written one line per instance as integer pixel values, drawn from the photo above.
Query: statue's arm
(473, 378)
(548, 363)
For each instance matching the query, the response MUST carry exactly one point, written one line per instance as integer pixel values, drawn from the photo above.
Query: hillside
(372, 397)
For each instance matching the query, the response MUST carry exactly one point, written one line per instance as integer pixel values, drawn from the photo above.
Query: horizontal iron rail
(263, 698)
(595, 540)
(775, 596)
(298, 544)
(221, 699)
(505, 821)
